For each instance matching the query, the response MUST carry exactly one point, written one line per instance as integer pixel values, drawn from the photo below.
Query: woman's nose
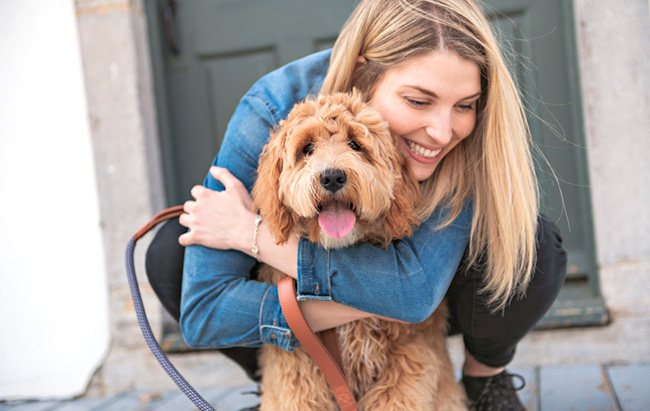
(440, 127)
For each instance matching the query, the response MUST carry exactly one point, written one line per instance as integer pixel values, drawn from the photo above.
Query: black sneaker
(495, 393)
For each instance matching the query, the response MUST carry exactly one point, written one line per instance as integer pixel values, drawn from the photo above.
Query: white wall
(614, 44)
(53, 297)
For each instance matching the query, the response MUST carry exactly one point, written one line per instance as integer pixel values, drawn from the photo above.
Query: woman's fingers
(217, 219)
(225, 177)
(184, 219)
(185, 239)
(188, 239)
(232, 185)
(197, 191)
(188, 206)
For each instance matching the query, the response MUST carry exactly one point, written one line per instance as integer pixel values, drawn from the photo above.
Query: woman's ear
(361, 62)
(266, 197)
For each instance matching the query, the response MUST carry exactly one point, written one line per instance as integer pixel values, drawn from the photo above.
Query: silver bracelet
(255, 249)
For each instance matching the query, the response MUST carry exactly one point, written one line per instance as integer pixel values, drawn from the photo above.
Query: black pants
(490, 337)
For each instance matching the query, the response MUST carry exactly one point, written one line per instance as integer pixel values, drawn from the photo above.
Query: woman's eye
(353, 144)
(466, 107)
(308, 149)
(416, 103)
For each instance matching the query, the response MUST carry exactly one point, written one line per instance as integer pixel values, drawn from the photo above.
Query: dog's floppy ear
(266, 191)
(401, 219)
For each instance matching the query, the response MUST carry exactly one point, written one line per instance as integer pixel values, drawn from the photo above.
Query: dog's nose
(333, 179)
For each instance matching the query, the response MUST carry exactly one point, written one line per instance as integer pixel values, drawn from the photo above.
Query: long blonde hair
(493, 166)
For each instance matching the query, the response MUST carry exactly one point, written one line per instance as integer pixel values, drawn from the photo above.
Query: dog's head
(332, 173)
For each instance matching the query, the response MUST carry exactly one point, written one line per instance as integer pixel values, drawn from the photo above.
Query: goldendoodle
(331, 173)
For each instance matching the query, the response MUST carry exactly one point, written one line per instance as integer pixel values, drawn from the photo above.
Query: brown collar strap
(322, 356)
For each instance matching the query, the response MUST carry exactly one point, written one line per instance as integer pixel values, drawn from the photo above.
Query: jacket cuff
(313, 277)
(274, 328)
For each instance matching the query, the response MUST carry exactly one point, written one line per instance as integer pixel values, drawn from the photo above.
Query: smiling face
(429, 102)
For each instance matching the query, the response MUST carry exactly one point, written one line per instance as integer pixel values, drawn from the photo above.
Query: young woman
(435, 72)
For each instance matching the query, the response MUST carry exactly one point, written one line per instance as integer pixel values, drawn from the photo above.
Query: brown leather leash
(165, 214)
(323, 348)
(327, 358)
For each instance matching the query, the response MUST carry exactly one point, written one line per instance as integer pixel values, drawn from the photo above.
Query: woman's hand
(219, 219)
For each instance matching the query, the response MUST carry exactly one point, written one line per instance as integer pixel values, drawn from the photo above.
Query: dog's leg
(449, 395)
(405, 382)
(418, 374)
(291, 381)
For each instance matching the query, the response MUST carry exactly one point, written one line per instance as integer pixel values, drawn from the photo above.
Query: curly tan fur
(390, 366)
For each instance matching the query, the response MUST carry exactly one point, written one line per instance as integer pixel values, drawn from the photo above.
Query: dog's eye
(308, 149)
(353, 144)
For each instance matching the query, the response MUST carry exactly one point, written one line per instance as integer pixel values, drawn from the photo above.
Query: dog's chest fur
(368, 346)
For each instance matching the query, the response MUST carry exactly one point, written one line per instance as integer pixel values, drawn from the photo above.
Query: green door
(207, 53)
(221, 48)
(540, 43)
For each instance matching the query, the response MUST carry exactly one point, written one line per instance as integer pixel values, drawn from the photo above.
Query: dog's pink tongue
(336, 221)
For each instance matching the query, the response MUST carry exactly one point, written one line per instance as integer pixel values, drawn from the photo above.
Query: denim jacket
(222, 306)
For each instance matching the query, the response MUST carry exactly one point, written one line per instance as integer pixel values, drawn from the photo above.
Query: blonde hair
(493, 166)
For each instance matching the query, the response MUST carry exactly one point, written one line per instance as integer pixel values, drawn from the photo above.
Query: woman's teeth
(421, 151)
